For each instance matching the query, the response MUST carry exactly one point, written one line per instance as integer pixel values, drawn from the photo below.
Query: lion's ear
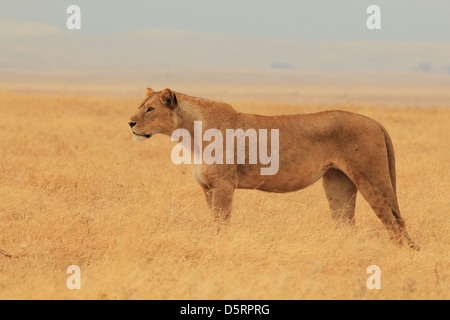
(169, 98)
(149, 92)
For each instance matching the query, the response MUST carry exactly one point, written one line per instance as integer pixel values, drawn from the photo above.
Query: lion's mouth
(142, 135)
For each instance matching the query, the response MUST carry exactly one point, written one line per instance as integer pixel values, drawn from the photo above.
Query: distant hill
(36, 57)
(46, 49)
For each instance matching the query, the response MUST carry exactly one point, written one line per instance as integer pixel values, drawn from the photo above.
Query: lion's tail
(391, 159)
(392, 173)
(390, 156)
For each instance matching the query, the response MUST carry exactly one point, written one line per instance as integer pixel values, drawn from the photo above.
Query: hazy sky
(311, 20)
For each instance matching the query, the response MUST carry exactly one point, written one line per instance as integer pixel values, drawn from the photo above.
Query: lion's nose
(132, 124)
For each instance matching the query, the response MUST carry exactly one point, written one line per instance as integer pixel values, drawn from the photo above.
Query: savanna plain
(75, 189)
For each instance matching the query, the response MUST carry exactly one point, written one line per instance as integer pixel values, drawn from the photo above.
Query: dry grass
(76, 189)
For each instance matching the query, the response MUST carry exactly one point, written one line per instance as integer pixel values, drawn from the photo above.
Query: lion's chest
(199, 175)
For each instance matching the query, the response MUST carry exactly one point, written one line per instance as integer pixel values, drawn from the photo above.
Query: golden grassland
(75, 189)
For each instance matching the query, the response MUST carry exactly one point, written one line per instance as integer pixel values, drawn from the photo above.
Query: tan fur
(348, 151)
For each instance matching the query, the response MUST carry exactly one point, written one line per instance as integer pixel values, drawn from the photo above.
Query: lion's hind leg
(380, 195)
(341, 194)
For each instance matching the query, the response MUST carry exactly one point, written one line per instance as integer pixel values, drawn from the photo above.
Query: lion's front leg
(219, 200)
(208, 195)
(222, 200)
(218, 183)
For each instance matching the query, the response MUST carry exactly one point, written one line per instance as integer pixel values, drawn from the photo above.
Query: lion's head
(155, 115)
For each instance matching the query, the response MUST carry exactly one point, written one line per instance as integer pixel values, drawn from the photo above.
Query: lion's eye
(150, 109)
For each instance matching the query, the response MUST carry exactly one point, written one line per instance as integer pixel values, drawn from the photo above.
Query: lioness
(348, 151)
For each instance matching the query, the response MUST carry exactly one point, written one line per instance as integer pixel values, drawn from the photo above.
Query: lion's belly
(286, 180)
